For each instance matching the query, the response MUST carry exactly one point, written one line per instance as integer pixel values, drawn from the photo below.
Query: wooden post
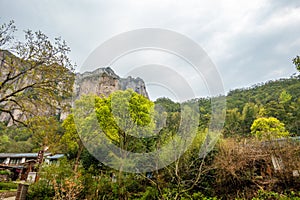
(22, 191)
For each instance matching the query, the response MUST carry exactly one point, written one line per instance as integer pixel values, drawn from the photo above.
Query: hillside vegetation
(256, 155)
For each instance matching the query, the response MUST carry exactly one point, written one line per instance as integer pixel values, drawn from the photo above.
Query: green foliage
(70, 140)
(204, 112)
(80, 126)
(284, 97)
(233, 123)
(40, 190)
(173, 194)
(265, 195)
(40, 131)
(168, 104)
(127, 119)
(99, 187)
(57, 172)
(263, 93)
(57, 181)
(46, 131)
(296, 62)
(239, 123)
(133, 187)
(8, 186)
(263, 110)
(15, 139)
(40, 73)
(200, 196)
(268, 128)
(125, 112)
(90, 163)
(151, 193)
(249, 114)
(277, 99)
(5, 172)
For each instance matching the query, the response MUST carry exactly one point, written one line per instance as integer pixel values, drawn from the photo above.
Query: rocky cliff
(104, 81)
(28, 89)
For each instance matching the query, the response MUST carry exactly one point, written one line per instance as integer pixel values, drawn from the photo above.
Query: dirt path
(8, 195)
(10, 198)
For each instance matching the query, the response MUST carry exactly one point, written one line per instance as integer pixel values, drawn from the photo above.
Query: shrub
(268, 128)
(199, 195)
(151, 193)
(8, 185)
(5, 172)
(242, 169)
(40, 190)
(275, 195)
(56, 182)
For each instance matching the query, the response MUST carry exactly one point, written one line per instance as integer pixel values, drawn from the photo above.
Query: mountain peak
(104, 81)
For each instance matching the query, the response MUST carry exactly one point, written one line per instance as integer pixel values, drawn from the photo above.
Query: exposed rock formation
(104, 81)
(27, 92)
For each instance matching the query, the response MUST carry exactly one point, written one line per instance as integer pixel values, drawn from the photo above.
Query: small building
(15, 159)
(53, 159)
(21, 164)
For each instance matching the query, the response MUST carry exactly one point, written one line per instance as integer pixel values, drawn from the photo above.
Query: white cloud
(248, 40)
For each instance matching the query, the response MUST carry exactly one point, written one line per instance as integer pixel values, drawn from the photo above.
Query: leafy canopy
(125, 113)
(268, 128)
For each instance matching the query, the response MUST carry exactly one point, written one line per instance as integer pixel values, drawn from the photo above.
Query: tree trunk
(78, 158)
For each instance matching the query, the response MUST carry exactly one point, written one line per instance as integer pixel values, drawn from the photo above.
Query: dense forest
(277, 98)
(36, 83)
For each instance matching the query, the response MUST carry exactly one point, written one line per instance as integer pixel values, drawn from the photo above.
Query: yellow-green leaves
(125, 113)
(268, 128)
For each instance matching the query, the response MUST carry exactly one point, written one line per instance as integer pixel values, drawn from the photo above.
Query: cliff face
(28, 90)
(104, 81)
(32, 88)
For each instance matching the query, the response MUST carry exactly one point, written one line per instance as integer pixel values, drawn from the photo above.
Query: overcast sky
(248, 41)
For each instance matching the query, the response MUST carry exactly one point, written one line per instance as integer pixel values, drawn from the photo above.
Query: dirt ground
(8, 195)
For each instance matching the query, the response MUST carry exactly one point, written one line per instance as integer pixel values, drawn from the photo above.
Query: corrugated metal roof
(56, 156)
(21, 155)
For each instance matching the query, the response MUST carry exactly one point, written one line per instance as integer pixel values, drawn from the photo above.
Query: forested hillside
(255, 155)
(276, 98)
(264, 93)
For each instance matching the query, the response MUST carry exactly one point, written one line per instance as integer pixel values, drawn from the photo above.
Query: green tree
(268, 128)
(70, 140)
(127, 119)
(79, 127)
(239, 123)
(4, 143)
(125, 115)
(294, 119)
(296, 62)
(168, 104)
(232, 123)
(205, 113)
(36, 78)
(15, 139)
(57, 182)
(46, 132)
(284, 97)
